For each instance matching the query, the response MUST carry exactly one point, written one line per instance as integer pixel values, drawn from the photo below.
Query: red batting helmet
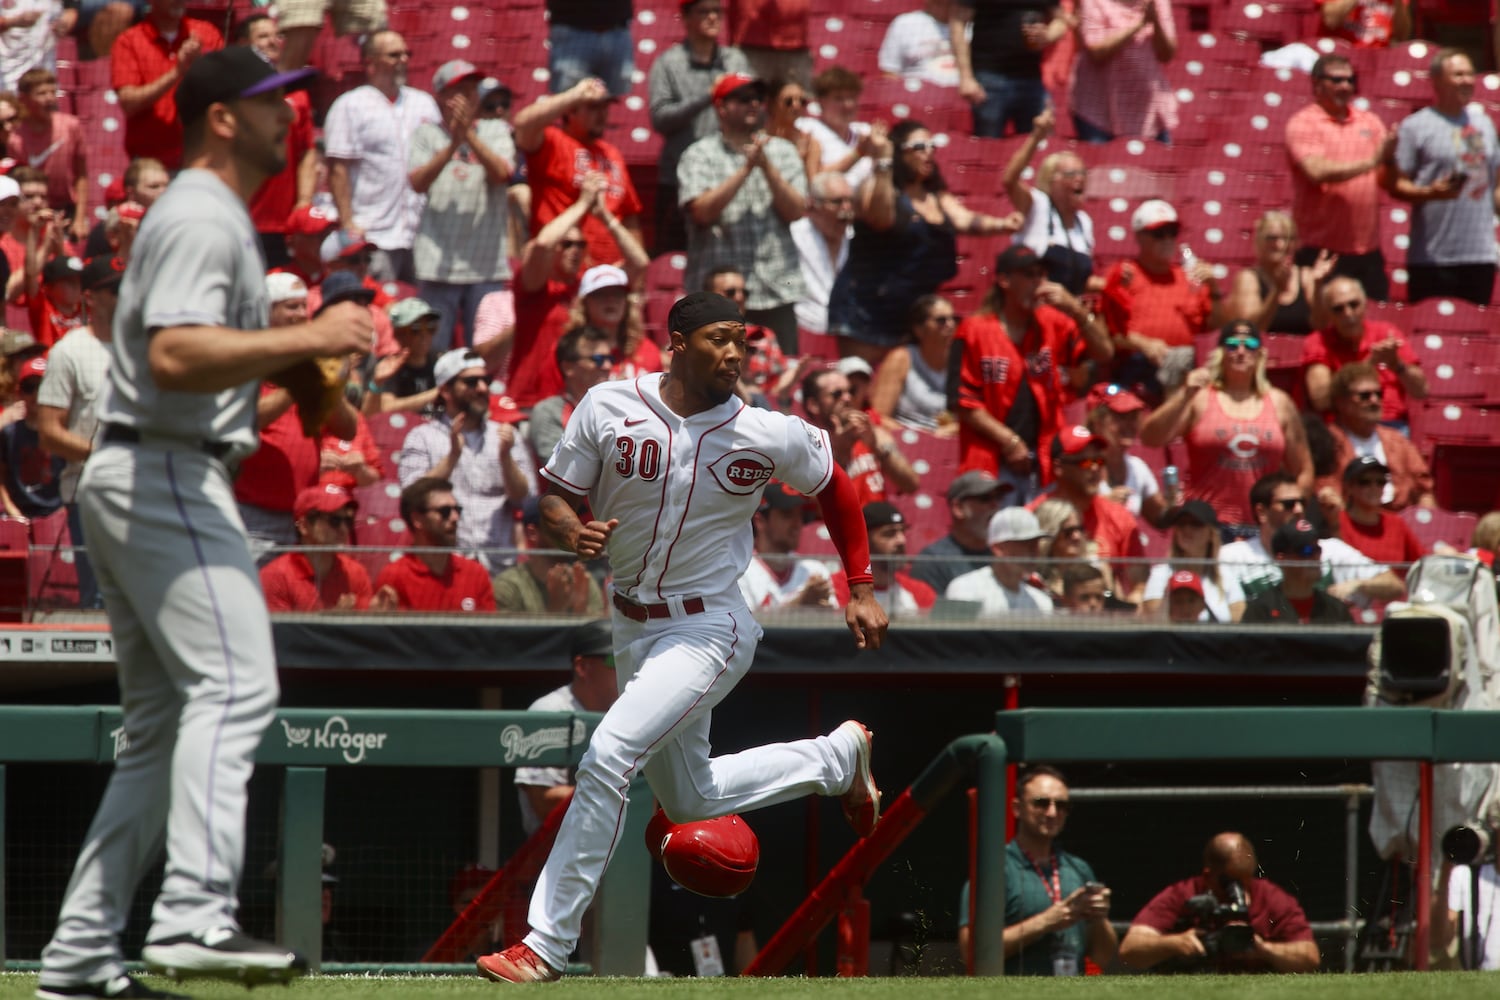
(712, 857)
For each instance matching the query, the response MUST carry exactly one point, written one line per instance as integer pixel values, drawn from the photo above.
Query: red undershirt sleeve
(839, 505)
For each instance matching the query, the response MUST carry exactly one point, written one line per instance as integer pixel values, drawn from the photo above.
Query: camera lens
(1464, 845)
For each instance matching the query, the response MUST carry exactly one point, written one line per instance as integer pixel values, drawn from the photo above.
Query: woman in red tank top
(1236, 426)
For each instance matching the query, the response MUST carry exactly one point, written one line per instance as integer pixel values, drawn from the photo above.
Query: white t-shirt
(835, 147)
(1044, 228)
(1460, 886)
(763, 590)
(1370, 446)
(1216, 599)
(1254, 571)
(75, 377)
(918, 47)
(994, 599)
(374, 134)
(818, 271)
(1140, 481)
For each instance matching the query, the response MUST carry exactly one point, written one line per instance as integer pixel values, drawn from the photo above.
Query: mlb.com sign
(335, 734)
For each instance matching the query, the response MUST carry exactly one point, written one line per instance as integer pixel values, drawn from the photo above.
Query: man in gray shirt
(681, 81)
(1445, 164)
(196, 666)
(741, 190)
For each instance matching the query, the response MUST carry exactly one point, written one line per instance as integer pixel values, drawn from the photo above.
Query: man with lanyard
(1056, 914)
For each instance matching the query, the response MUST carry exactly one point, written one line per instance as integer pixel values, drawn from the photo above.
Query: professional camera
(1470, 844)
(1223, 927)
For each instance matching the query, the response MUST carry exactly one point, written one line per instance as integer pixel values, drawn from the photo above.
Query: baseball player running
(672, 466)
(196, 671)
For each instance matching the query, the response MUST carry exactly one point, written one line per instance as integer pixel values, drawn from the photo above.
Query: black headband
(700, 309)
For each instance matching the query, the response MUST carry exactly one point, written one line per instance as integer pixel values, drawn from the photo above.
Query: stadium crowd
(1089, 423)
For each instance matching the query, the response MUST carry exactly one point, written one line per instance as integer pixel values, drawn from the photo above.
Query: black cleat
(121, 986)
(223, 953)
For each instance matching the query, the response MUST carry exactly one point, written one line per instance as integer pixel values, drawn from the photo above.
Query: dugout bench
(306, 742)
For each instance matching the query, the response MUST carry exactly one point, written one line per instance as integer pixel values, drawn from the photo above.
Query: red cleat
(517, 964)
(862, 801)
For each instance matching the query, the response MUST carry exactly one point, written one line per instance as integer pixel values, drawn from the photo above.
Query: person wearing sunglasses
(788, 103)
(489, 464)
(1298, 597)
(404, 381)
(313, 577)
(1057, 229)
(434, 577)
(1357, 430)
(1078, 470)
(1194, 548)
(1153, 303)
(1365, 524)
(1341, 156)
(1056, 911)
(1353, 336)
(1276, 293)
(680, 84)
(905, 242)
(1236, 427)
(1065, 544)
(585, 357)
(1120, 88)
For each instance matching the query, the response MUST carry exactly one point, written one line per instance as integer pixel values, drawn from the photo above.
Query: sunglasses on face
(919, 147)
(1289, 505)
(1236, 343)
(446, 511)
(599, 360)
(1371, 481)
(572, 244)
(1041, 803)
(1352, 79)
(1086, 463)
(733, 292)
(846, 200)
(472, 381)
(1369, 395)
(1168, 232)
(340, 520)
(746, 97)
(948, 320)
(1343, 307)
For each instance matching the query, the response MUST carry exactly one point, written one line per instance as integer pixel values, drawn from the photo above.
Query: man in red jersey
(435, 580)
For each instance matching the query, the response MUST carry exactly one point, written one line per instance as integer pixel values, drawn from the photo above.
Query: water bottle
(1169, 483)
(1189, 262)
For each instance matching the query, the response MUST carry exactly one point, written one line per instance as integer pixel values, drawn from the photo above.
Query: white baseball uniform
(684, 490)
(197, 669)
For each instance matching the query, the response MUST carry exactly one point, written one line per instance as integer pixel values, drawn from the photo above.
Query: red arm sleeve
(839, 505)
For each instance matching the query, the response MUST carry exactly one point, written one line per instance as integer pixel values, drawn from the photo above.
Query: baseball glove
(317, 386)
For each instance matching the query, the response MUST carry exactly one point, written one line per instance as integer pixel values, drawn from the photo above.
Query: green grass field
(1390, 986)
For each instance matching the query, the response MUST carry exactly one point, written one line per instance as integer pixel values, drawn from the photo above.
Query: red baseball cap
(311, 220)
(730, 82)
(1075, 439)
(504, 410)
(1186, 579)
(35, 368)
(1118, 398)
(325, 498)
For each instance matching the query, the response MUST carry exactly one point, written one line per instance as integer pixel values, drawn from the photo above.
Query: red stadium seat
(1450, 316)
(53, 575)
(1455, 421)
(389, 430)
(379, 529)
(1432, 525)
(1466, 477)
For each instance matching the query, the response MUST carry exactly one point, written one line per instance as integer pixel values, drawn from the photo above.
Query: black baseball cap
(1296, 538)
(229, 75)
(61, 268)
(1199, 510)
(343, 286)
(878, 514)
(1363, 464)
(593, 638)
(103, 273)
(1016, 257)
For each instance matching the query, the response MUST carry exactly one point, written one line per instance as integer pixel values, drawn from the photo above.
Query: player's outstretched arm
(561, 523)
(839, 505)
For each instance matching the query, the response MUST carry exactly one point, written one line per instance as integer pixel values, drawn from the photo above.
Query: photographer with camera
(1224, 919)
(1056, 914)
(1464, 936)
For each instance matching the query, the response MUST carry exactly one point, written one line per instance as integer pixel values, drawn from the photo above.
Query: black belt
(120, 434)
(647, 612)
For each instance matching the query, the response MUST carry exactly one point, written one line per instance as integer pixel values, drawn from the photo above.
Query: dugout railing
(306, 742)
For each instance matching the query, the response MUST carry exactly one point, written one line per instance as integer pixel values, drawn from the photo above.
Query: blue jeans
(453, 301)
(577, 54)
(1089, 132)
(89, 597)
(1007, 100)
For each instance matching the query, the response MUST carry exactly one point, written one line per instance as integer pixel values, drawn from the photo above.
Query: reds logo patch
(742, 472)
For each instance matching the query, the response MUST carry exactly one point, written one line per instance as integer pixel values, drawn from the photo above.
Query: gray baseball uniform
(196, 666)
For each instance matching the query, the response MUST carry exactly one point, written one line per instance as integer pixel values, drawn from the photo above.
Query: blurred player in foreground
(197, 670)
(672, 467)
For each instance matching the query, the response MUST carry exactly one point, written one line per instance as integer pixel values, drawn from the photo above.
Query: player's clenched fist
(343, 328)
(865, 617)
(593, 536)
